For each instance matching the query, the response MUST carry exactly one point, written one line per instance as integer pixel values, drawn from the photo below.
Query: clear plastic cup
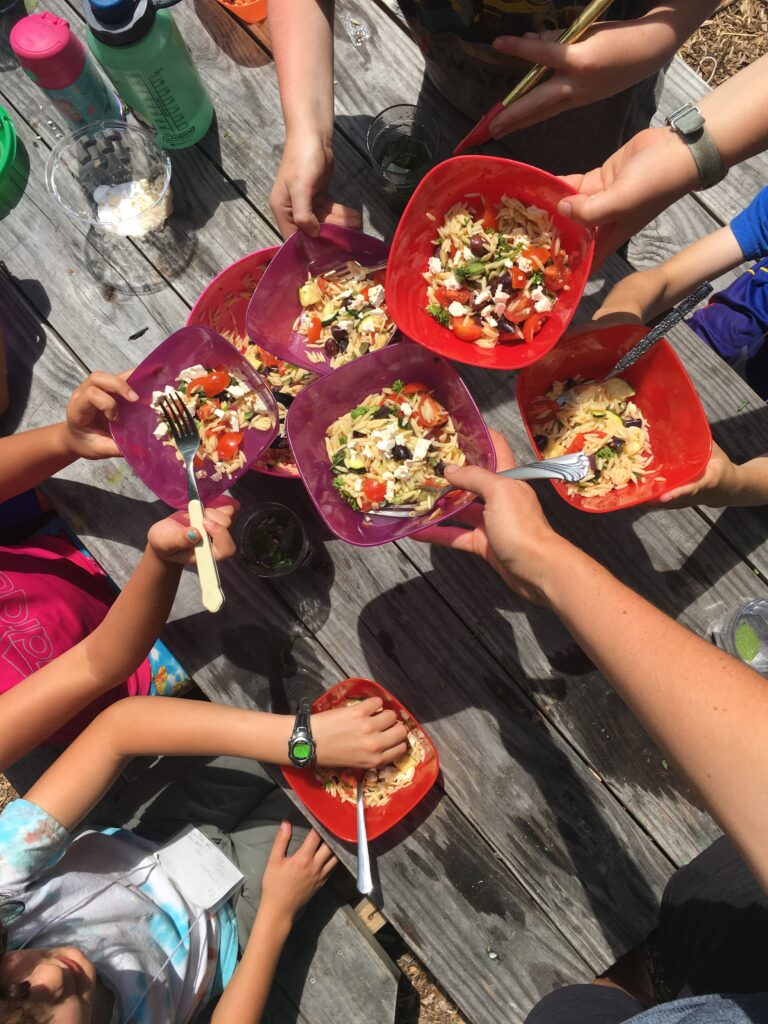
(273, 541)
(112, 176)
(744, 634)
(402, 144)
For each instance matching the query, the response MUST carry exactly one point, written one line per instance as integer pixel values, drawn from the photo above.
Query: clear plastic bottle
(139, 46)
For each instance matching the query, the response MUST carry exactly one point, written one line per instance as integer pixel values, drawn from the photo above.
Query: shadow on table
(227, 35)
(24, 306)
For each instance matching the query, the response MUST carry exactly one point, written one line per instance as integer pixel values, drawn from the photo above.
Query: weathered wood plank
(452, 911)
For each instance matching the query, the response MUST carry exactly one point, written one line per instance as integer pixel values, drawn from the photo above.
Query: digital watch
(301, 746)
(688, 122)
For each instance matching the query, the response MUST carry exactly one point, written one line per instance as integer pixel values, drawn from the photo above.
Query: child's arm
(301, 32)
(288, 883)
(28, 458)
(641, 296)
(358, 736)
(42, 703)
(723, 484)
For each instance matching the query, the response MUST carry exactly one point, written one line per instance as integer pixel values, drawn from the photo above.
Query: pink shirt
(51, 597)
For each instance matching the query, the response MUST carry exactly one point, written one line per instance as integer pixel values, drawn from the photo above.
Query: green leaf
(605, 453)
(439, 313)
(138, 334)
(398, 384)
(536, 278)
(475, 269)
(361, 410)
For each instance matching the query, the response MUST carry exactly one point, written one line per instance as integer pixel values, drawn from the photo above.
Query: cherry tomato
(365, 505)
(577, 444)
(211, 384)
(364, 292)
(268, 359)
(519, 310)
(229, 445)
(347, 778)
(380, 277)
(532, 326)
(414, 389)
(321, 283)
(465, 328)
(556, 276)
(429, 413)
(445, 296)
(539, 252)
(206, 409)
(519, 277)
(315, 327)
(433, 484)
(490, 221)
(198, 462)
(374, 490)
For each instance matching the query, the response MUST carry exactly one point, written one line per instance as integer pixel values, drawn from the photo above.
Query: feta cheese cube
(525, 265)
(402, 473)
(457, 309)
(435, 266)
(420, 449)
(161, 430)
(376, 294)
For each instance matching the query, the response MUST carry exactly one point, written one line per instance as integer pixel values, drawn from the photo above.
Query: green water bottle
(140, 48)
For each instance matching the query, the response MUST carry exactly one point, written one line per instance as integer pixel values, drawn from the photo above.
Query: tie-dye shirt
(104, 893)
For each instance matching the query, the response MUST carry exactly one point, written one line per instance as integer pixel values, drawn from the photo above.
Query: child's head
(45, 986)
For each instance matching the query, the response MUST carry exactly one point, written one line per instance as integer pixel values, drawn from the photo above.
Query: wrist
(682, 166)
(64, 442)
(275, 917)
(165, 564)
(304, 132)
(556, 560)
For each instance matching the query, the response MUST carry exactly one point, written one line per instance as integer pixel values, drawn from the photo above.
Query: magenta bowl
(155, 463)
(222, 305)
(275, 304)
(313, 411)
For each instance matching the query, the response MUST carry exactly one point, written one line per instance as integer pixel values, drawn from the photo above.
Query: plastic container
(222, 305)
(55, 59)
(331, 396)
(744, 634)
(250, 13)
(413, 244)
(402, 143)
(156, 463)
(340, 817)
(113, 176)
(275, 303)
(14, 165)
(140, 48)
(272, 541)
(680, 436)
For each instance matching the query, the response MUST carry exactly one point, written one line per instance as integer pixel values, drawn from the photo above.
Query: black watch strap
(301, 745)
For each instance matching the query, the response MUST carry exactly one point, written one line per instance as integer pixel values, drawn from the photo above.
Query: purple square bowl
(313, 411)
(275, 304)
(149, 458)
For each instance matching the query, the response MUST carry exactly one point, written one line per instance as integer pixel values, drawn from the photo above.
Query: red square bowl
(680, 436)
(149, 458)
(332, 396)
(222, 306)
(275, 303)
(413, 244)
(341, 818)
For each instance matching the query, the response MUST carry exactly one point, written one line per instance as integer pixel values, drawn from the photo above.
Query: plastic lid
(121, 22)
(112, 12)
(48, 50)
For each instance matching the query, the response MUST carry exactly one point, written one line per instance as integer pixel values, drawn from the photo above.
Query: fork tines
(177, 416)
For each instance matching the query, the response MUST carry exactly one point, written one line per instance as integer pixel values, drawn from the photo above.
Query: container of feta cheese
(113, 177)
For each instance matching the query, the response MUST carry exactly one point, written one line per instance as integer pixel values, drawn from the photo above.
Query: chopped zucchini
(599, 414)
(353, 461)
(328, 314)
(617, 388)
(633, 447)
(613, 420)
(367, 325)
(309, 294)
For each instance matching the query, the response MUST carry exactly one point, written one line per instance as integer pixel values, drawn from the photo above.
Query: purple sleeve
(751, 227)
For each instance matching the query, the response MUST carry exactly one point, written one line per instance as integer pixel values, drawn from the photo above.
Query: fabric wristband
(688, 122)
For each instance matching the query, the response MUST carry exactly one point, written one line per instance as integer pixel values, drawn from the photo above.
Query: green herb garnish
(439, 313)
(338, 483)
(536, 278)
(746, 642)
(398, 385)
(474, 269)
(361, 410)
(605, 453)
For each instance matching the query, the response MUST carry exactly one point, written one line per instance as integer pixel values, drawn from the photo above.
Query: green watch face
(301, 750)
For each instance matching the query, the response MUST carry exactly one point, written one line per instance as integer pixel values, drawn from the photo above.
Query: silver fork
(568, 468)
(184, 433)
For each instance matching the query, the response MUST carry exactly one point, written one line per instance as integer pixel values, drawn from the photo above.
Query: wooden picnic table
(542, 853)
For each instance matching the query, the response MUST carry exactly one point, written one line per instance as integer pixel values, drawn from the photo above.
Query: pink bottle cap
(48, 50)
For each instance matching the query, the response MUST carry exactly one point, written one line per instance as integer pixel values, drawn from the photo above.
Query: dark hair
(13, 998)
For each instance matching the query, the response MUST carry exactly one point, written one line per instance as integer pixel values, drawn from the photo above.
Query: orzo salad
(379, 784)
(392, 449)
(343, 314)
(602, 421)
(223, 408)
(497, 271)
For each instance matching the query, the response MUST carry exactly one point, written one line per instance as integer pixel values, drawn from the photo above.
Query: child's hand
(298, 197)
(290, 882)
(714, 488)
(173, 540)
(358, 736)
(90, 408)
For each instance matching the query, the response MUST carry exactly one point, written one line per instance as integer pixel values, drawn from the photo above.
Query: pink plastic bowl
(217, 299)
(680, 436)
(315, 409)
(413, 244)
(149, 458)
(275, 303)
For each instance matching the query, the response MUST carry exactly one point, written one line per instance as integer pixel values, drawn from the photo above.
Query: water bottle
(55, 59)
(139, 46)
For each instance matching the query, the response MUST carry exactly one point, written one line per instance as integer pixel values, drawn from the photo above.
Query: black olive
(280, 442)
(474, 304)
(343, 343)
(540, 441)
(357, 433)
(440, 467)
(506, 326)
(616, 444)
(478, 245)
(331, 348)
(381, 413)
(400, 452)
(339, 333)
(283, 398)
(503, 281)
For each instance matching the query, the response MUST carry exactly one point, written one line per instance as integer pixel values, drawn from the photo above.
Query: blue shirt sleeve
(30, 840)
(751, 227)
